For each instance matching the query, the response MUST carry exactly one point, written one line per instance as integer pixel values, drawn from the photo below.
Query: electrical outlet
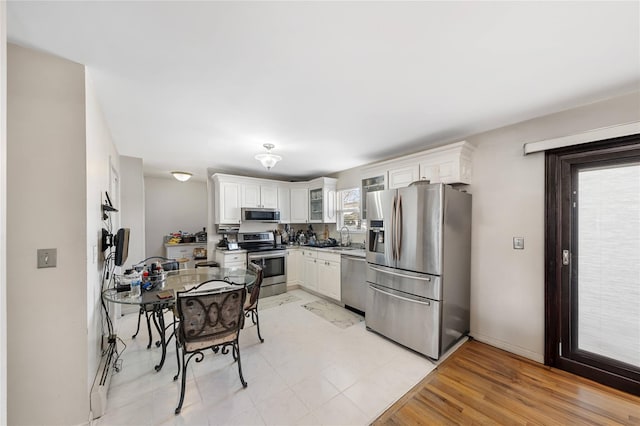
(518, 243)
(47, 258)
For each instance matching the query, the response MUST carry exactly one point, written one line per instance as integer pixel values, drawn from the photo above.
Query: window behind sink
(349, 213)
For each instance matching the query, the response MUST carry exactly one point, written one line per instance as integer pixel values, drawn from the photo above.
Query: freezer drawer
(411, 321)
(421, 285)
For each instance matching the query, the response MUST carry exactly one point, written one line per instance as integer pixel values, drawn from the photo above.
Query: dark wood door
(592, 288)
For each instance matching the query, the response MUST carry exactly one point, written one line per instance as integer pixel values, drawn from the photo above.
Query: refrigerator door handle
(393, 229)
(406, 299)
(400, 275)
(399, 228)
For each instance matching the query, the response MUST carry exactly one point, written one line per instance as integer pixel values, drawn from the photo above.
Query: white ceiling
(334, 85)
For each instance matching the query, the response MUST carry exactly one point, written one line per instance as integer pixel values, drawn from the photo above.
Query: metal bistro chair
(251, 305)
(208, 319)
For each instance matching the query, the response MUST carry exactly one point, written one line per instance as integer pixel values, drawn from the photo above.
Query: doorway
(592, 261)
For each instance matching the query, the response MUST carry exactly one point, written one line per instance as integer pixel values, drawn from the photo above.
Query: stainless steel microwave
(251, 214)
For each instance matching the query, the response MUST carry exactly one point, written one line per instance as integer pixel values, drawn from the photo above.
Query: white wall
(3, 213)
(172, 206)
(46, 208)
(132, 206)
(101, 157)
(507, 286)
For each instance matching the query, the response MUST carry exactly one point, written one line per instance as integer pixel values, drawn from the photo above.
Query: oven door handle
(266, 256)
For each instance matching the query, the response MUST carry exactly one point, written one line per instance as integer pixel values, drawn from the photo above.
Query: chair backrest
(255, 290)
(210, 317)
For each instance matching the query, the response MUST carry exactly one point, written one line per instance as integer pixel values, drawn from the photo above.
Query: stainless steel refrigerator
(418, 251)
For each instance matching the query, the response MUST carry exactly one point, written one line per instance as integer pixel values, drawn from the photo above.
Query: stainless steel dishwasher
(353, 281)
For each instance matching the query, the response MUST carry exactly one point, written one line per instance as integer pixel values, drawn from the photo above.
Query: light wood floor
(479, 384)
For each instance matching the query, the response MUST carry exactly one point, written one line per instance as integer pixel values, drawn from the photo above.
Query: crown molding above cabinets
(450, 164)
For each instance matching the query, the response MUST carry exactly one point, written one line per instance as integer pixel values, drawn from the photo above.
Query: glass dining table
(163, 295)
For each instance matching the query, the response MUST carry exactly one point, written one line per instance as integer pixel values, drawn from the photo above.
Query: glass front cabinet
(322, 200)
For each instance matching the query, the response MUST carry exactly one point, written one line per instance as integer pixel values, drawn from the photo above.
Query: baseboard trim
(500, 344)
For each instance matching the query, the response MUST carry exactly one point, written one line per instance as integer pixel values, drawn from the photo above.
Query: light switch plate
(518, 243)
(47, 258)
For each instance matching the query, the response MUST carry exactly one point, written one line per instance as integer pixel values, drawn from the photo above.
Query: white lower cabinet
(310, 270)
(232, 259)
(183, 251)
(320, 272)
(329, 275)
(294, 267)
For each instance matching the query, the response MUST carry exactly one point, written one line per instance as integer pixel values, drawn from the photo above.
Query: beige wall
(46, 208)
(172, 206)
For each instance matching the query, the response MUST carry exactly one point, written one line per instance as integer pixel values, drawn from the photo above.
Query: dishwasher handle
(356, 258)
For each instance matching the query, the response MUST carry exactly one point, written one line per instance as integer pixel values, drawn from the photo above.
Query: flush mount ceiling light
(268, 160)
(182, 176)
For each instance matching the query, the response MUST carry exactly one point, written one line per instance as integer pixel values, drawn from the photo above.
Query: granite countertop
(185, 244)
(358, 252)
(226, 250)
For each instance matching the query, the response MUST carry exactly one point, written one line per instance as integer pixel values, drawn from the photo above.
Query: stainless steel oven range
(262, 250)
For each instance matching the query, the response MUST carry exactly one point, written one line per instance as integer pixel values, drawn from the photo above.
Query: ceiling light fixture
(268, 160)
(182, 176)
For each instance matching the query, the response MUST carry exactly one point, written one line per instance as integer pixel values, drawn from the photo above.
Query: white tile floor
(307, 372)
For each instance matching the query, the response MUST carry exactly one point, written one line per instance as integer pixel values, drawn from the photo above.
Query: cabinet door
(403, 176)
(329, 279)
(250, 195)
(330, 205)
(229, 203)
(310, 279)
(299, 205)
(294, 266)
(430, 172)
(269, 196)
(284, 204)
(316, 205)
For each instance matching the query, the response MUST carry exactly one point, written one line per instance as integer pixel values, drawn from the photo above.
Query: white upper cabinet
(256, 194)
(402, 176)
(284, 203)
(227, 201)
(448, 164)
(322, 200)
(299, 203)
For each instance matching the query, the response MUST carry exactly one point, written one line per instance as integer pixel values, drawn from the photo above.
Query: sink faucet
(342, 241)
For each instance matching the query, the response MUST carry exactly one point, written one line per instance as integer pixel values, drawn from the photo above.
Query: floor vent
(101, 384)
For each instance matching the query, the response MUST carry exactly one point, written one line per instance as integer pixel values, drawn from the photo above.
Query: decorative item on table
(153, 277)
